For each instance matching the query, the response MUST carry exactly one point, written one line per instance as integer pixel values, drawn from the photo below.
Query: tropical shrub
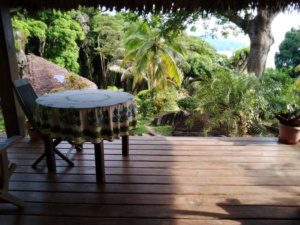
(239, 59)
(151, 102)
(200, 66)
(202, 58)
(145, 104)
(188, 103)
(232, 102)
(280, 91)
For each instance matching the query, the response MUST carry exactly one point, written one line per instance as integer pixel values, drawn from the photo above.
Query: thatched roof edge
(150, 5)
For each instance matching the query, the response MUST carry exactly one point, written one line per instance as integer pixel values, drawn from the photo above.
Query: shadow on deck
(164, 181)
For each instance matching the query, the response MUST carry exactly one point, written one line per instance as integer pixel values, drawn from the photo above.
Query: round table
(87, 115)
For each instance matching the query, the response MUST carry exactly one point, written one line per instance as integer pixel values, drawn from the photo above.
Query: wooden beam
(13, 117)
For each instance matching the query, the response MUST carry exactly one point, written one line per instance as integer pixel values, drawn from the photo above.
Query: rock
(170, 118)
(45, 76)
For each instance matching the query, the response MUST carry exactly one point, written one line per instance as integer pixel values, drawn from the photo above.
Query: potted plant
(289, 126)
(288, 114)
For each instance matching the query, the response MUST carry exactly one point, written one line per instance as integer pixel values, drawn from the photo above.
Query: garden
(182, 85)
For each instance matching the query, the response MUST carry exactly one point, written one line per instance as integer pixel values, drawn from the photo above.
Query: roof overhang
(153, 5)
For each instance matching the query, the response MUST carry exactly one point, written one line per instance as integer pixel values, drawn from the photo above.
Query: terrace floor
(164, 181)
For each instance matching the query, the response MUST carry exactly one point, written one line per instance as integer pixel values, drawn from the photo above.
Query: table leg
(99, 161)
(125, 145)
(50, 154)
(79, 147)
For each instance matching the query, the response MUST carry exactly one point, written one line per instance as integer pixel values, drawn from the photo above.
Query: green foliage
(276, 83)
(188, 103)
(151, 102)
(2, 127)
(114, 88)
(239, 59)
(29, 28)
(166, 100)
(201, 66)
(59, 89)
(144, 126)
(37, 29)
(21, 25)
(153, 49)
(204, 61)
(288, 55)
(108, 34)
(57, 32)
(141, 127)
(103, 45)
(139, 130)
(297, 84)
(163, 130)
(281, 93)
(197, 46)
(152, 57)
(72, 82)
(63, 36)
(146, 106)
(232, 102)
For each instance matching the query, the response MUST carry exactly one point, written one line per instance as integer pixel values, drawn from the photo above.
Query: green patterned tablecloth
(85, 115)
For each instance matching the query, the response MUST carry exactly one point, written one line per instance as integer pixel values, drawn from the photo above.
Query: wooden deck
(164, 181)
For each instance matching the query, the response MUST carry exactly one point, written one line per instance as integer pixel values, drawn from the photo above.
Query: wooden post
(99, 161)
(125, 145)
(13, 117)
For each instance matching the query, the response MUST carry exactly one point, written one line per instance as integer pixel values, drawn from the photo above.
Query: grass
(2, 128)
(163, 130)
(141, 127)
(144, 126)
(139, 130)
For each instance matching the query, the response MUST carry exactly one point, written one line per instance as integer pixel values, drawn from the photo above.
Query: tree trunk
(261, 40)
(42, 47)
(103, 78)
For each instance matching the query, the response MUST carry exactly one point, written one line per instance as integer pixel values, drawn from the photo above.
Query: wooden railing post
(13, 116)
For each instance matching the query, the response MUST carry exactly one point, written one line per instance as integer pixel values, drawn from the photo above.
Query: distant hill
(226, 46)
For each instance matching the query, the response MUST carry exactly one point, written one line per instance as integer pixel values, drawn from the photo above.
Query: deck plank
(29, 220)
(164, 181)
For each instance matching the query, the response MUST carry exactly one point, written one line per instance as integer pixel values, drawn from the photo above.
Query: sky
(282, 23)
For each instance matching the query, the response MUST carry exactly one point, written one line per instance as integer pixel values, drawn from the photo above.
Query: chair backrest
(26, 96)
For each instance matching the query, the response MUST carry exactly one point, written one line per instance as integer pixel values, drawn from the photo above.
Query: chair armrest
(3, 155)
(6, 170)
(10, 141)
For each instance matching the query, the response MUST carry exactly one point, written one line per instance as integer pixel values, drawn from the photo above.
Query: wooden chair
(6, 170)
(27, 96)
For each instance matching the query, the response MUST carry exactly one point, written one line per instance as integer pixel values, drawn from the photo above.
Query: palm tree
(152, 57)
